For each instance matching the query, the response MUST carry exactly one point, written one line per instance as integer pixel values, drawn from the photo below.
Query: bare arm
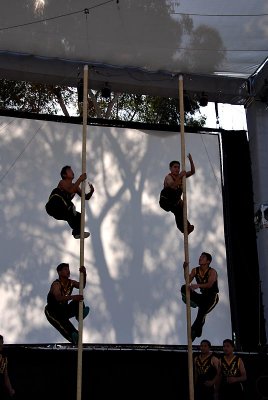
(8, 385)
(70, 187)
(215, 362)
(75, 283)
(89, 195)
(218, 379)
(192, 171)
(243, 374)
(195, 371)
(192, 273)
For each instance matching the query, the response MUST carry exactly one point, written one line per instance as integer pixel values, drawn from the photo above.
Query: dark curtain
(241, 246)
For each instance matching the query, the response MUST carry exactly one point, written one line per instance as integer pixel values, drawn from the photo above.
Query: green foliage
(151, 110)
(48, 99)
(31, 97)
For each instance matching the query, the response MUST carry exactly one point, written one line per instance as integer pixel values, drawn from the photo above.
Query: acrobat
(62, 305)
(60, 205)
(170, 196)
(207, 282)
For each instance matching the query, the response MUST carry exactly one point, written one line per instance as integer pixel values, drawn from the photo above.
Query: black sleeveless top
(230, 368)
(234, 390)
(204, 369)
(65, 291)
(63, 195)
(204, 279)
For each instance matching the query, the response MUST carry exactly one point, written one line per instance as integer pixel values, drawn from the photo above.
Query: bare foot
(190, 229)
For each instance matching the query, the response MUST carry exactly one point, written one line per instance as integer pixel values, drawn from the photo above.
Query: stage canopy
(140, 46)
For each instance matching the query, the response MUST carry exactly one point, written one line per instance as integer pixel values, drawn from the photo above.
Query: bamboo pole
(186, 248)
(81, 278)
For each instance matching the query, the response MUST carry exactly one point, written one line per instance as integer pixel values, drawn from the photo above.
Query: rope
(20, 154)
(4, 126)
(85, 11)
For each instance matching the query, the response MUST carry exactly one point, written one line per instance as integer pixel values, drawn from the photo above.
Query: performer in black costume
(206, 368)
(207, 281)
(232, 374)
(6, 389)
(63, 305)
(60, 205)
(170, 196)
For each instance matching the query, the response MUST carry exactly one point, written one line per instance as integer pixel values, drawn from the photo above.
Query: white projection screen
(135, 253)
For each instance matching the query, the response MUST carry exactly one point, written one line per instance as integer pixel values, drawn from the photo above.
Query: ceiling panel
(136, 45)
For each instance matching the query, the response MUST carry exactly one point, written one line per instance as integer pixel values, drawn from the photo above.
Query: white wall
(135, 253)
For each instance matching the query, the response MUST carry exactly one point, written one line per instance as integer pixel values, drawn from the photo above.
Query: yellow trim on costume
(50, 197)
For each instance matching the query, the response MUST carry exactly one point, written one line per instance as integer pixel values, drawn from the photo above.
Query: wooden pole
(186, 248)
(81, 279)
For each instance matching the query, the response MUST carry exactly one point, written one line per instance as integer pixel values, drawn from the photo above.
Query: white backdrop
(135, 253)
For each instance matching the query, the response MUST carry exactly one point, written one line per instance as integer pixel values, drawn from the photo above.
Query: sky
(231, 117)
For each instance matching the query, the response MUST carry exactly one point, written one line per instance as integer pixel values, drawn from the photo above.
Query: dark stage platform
(148, 372)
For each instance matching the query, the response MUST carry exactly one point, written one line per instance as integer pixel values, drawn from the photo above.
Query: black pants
(232, 391)
(58, 210)
(59, 317)
(202, 392)
(177, 210)
(205, 304)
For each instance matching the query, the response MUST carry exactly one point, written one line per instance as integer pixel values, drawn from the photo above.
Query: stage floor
(49, 371)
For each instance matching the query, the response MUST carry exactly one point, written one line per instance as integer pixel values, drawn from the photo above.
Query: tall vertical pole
(186, 249)
(81, 278)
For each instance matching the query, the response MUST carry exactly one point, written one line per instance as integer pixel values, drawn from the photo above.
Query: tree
(147, 109)
(142, 108)
(49, 99)
(36, 98)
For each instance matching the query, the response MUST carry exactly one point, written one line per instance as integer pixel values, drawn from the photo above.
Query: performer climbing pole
(186, 248)
(81, 279)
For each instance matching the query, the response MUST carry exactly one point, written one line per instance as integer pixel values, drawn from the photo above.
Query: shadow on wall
(135, 253)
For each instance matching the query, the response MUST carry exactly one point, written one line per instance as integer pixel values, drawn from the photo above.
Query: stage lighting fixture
(263, 94)
(187, 102)
(203, 100)
(106, 92)
(80, 88)
(261, 217)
